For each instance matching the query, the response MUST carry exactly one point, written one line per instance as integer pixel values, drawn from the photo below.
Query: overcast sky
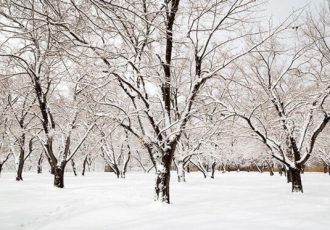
(282, 8)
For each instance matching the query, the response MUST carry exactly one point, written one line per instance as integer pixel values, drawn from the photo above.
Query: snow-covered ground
(99, 201)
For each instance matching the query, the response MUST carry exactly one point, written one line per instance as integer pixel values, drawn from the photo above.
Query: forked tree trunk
(163, 176)
(116, 171)
(296, 180)
(180, 171)
(59, 175)
(123, 172)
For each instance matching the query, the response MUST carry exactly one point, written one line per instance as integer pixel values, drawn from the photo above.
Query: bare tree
(46, 69)
(292, 111)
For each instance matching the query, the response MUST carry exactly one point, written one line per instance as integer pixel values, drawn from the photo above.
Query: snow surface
(99, 201)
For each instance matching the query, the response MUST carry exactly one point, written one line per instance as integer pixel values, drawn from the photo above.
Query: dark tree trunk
(19, 176)
(52, 168)
(84, 166)
(325, 168)
(296, 180)
(3, 162)
(39, 167)
(21, 159)
(288, 175)
(20, 167)
(213, 169)
(73, 167)
(59, 175)
(271, 168)
(123, 173)
(116, 170)
(163, 176)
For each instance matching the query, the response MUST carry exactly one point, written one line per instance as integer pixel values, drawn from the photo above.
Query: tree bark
(84, 166)
(296, 180)
(213, 169)
(20, 165)
(59, 175)
(52, 168)
(39, 167)
(73, 167)
(271, 168)
(163, 176)
(325, 168)
(288, 175)
(123, 172)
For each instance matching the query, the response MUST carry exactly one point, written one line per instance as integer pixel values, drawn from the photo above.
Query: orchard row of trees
(168, 81)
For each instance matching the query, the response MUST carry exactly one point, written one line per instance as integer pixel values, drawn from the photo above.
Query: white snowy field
(99, 201)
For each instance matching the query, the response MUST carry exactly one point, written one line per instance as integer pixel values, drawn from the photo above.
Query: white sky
(280, 9)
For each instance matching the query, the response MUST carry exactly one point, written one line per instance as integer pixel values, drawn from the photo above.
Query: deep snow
(99, 201)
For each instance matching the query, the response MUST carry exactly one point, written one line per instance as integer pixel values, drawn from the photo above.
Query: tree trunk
(188, 168)
(296, 180)
(1, 168)
(84, 166)
(163, 175)
(213, 169)
(180, 171)
(73, 167)
(59, 175)
(20, 166)
(39, 167)
(271, 168)
(116, 171)
(325, 168)
(52, 168)
(123, 173)
(288, 175)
